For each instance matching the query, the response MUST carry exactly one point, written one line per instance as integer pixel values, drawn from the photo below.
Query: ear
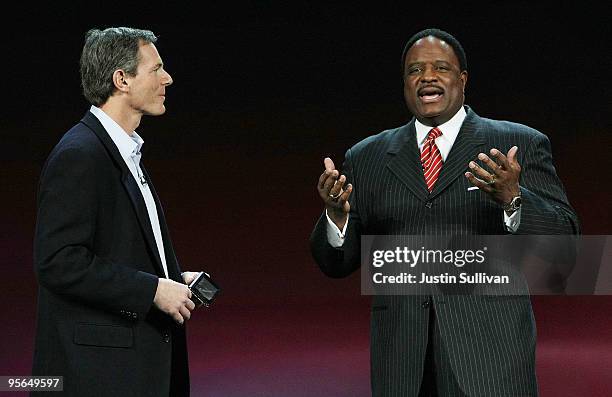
(120, 80)
(463, 76)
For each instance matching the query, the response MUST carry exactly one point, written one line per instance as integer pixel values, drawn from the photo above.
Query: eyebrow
(157, 65)
(436, 62)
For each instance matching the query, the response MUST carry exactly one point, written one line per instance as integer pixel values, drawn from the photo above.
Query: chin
(156, 112)
(429, 115)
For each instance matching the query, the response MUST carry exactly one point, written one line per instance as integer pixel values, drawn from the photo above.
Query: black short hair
(442, 35)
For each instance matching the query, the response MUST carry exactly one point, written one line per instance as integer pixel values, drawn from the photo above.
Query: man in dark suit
(112, 300)
(423, 179)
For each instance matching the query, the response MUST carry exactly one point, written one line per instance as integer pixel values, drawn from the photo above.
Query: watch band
(513, 205)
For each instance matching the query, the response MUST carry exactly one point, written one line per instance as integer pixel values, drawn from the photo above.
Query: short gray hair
(106, 51)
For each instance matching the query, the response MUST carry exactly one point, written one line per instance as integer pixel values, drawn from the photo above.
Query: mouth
(430, 94)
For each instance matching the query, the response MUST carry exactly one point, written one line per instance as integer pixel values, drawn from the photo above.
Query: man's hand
(331, 191)
(501, 180)
(188, 277)
(173, 298)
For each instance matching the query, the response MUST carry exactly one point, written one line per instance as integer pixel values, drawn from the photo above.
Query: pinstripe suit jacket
(489, 340)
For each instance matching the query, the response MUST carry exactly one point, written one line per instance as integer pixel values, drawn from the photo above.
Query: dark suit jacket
(490, 341)
(98, 266)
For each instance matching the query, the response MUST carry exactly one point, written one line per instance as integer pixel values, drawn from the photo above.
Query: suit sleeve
(344, 260)
(64, 258)
(545, 207)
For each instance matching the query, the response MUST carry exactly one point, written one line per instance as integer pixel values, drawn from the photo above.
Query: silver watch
(513, 205)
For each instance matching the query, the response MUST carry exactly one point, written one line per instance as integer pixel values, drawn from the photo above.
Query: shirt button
(426, 305)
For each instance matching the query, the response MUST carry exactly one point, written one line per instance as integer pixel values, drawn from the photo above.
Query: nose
(167, 79)
(429, 75)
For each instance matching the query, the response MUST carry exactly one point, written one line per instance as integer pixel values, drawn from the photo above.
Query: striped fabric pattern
(431, 158)
(486, 342)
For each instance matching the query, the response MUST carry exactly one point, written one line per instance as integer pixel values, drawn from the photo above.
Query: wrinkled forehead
(148, 54)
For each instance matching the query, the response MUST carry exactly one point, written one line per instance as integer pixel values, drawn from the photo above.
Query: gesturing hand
(331, 191)
(501, 179)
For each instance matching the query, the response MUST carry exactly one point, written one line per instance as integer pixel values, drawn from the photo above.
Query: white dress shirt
(129, 145)
(444, 142)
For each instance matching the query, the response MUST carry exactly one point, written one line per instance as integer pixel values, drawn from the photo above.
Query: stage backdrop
(262, 94)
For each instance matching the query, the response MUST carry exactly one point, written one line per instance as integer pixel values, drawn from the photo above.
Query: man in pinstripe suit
(443, 345)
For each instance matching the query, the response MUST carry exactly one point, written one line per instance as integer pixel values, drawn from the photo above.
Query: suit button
(426, 304)
(428, 204)
(134, 316)
(166, 337)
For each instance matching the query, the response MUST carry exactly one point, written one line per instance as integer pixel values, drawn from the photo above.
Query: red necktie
(431, 158)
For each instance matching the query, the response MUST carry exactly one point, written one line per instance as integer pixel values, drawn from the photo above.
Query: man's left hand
(188, 277)
(501, 178)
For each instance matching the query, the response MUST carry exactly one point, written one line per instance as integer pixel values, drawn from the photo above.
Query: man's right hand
(331, 190)
(174, 299)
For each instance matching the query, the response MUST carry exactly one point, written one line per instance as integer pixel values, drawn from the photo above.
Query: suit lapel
(131, 186)
(406, 161)
(465, 149)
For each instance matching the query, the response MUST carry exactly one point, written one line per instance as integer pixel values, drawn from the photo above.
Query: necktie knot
(434, 133)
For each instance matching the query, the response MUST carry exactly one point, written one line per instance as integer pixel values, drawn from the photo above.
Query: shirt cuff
(335, 236)
(513, 221)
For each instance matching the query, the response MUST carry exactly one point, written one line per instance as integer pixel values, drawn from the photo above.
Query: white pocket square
(472, 188)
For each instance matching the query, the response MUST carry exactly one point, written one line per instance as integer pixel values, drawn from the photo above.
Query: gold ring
(336, 196)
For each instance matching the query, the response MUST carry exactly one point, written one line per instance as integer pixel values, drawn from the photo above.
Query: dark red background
(262, 93)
